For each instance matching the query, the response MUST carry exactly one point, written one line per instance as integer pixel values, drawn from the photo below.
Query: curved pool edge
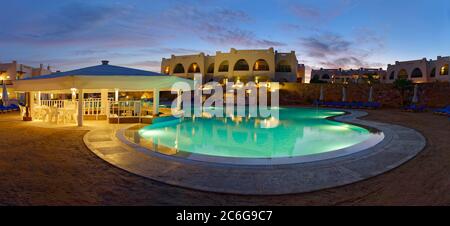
(399, 145)
(257, 161)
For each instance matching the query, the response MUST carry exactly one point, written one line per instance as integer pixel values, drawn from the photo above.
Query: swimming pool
(299, 132)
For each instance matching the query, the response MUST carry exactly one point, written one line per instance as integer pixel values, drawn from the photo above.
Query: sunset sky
(340, 33)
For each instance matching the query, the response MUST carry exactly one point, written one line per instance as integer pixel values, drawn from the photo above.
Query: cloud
(169, 50)
(152, 65)
(307, 12)
(83, 23)
(325, 45)
(324, 13)
(330, 50)
(218, 25)
(239, 37)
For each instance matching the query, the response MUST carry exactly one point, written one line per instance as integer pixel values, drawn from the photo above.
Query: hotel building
(361, 75)
(15, 71)
(420, 71)
(242, 65)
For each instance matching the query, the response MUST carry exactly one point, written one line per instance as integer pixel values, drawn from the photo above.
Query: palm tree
(402, 85)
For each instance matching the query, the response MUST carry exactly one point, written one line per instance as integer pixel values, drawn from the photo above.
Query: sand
(42, 166)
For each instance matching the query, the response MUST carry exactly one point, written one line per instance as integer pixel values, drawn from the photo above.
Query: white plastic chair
(54, 114)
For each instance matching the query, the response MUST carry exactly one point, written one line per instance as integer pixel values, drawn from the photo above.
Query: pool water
(297, 132)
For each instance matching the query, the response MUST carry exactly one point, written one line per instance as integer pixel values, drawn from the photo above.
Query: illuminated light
(236, 119)
(208, 87)
(150, 133)
(167, 70)
(207, 115)
(444, 70)
(338, 128)
(269, 123)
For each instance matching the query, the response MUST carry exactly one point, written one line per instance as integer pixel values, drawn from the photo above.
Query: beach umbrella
(321, 93)
(416, 94)
(5, 94)
(371, 94)
(344, 94)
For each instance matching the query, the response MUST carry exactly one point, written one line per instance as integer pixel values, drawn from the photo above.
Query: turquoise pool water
(298, 132)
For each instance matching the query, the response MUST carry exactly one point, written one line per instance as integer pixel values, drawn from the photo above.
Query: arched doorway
(224, 66)
(417, 73)
(444, 70)
(178, 69)
(402, 74)
(241, 65)
(261, 65)
(194, 68)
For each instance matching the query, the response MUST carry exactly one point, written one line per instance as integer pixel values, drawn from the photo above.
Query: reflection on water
(298, 132)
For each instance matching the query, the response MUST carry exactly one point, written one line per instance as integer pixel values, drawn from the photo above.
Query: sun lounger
(415, 108)
(443, 111)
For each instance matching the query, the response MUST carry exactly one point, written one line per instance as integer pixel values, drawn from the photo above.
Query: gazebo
(101, 79)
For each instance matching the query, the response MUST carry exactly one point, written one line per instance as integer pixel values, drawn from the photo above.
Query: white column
(39, 98)
(80, 108)
(179, 100)
(32, 102)
(116, 94)
(74, 94)
(104, 101)
(155, 102)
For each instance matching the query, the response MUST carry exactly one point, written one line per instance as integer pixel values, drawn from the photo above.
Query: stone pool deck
(398, 146)
(44, 166)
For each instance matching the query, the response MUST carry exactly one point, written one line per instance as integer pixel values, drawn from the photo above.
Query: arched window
(223, 67)
(283, 66)
(261, 65)
(417, 73)
(167, 70)
(241, 65)
(211, 68)
(444, 70)
(392, 75)
(178, 69)
(194, 68)
(325, 76)
(433, 73)
(402, 74)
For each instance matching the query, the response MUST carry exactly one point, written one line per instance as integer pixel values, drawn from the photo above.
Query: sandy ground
(41, 166)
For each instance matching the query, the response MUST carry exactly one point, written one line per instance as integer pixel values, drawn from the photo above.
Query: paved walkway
(42, 166)
(399, 145)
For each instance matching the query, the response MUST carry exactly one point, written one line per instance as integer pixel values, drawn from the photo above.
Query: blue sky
(70, 34)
